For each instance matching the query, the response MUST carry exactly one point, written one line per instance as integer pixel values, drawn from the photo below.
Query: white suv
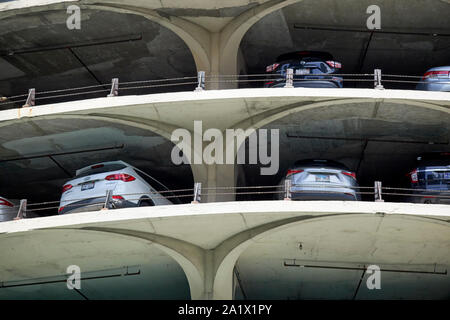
(87, 192)
(8, 209)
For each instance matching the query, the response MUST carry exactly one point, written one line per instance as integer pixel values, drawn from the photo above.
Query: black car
(312, 69)
(430, 180)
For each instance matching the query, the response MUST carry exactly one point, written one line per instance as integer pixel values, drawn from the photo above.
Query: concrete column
(214, 46)
(214, 176)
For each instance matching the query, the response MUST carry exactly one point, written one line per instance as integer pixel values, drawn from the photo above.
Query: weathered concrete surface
(209, 240)
(144, 124)
(233, 37)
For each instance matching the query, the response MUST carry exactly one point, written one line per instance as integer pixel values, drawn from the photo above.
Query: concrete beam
(214, 46)
(209, 254)
(227, 109)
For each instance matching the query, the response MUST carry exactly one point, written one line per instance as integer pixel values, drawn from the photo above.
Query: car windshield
(320, 163)
(101, 168)
(438, 159)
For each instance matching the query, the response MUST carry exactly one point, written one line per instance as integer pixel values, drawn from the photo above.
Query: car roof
(320, 163)
(79, 171)
(303, 54)
(436, 155)
(444, 68)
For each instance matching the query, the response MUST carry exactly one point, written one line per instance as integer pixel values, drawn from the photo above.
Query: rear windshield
(320, 163)
(101, 168)
(437, 159)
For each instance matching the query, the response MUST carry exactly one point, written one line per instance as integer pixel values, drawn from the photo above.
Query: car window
(158, 186)
(101, 168)
(437, 159)
(320, 163)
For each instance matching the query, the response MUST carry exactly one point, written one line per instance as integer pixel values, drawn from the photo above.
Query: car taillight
(334, 64)
(435, 74)
(349, 174)
(268, 83)
(97, 166)
(292, 172)
(413, 176)
(66, 187)
(117, 197)
(272, 67)
(60, 209)
(120, 176)
(4, 202)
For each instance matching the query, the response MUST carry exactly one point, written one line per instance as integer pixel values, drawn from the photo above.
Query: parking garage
(376, 133)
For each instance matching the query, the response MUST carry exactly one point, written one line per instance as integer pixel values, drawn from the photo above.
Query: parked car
(435, 79)
(322, 180)
(8, 209)
(312, 69)
(130, 188)
(430, 179)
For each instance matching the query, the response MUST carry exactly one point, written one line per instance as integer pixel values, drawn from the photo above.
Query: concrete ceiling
(128, 269)
(38, 50)
(406, 54)
(49, 56)
(378, 142)
(42, 178)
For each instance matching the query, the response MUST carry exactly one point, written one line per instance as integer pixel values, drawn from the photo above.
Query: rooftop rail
(375, 80)
(286, 191)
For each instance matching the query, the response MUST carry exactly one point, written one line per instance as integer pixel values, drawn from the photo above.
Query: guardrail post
(22, 209)
(378, 191)
(108, 200)
(377, 79)
(31, 99)
(289, 78)
(201, 81)
(114, 88)
(197, 192)
(287, 189)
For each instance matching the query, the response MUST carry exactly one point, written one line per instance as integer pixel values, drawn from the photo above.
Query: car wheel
(146, 203)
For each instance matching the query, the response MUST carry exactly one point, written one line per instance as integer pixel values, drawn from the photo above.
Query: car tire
(146, 203)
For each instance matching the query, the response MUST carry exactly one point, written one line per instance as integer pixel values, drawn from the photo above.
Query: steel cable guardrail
(202, 79)
(107, 202)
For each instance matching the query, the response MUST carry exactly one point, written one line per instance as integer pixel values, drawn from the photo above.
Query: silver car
(322, 180)
(435, 79)
(8, 209)
(130, 187)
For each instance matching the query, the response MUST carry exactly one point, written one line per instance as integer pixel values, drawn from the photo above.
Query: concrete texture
(146, 122)
(208, 240)
(219, 38)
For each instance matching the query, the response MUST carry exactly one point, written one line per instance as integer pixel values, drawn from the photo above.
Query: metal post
(108, 200)
(197, 192)
(287, 189)
(377, 79)
(22, 209)
(31, 99)
(289, 78)
(201, 81)
(114, 88)
(378, 191)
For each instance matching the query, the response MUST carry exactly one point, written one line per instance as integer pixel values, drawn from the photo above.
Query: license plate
(87, 186)
(301, 72)
(322, 178)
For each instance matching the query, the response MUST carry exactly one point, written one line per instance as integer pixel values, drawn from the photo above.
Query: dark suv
(431, 178)
(312, 69)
